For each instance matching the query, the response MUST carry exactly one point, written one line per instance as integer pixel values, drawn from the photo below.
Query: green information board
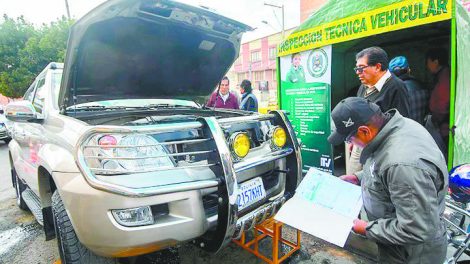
(306, 94)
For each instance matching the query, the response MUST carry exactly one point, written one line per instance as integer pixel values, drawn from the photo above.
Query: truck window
(38, 101)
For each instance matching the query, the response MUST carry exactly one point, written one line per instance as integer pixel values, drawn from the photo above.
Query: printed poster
(306, 94)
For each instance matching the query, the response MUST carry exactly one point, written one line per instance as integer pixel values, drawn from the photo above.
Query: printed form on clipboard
(323, 206)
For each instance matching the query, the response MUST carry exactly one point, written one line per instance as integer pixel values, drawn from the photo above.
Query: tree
(25, 51)
(13, 37)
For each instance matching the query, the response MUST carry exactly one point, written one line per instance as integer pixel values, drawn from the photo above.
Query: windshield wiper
(122, 107)
(86, 107)
(96, 108)
(157, 106)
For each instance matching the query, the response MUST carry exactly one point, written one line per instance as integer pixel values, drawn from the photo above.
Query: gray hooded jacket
(404, 182)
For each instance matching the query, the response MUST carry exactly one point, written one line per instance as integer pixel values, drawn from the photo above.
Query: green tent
(401, 27)
(461, 116)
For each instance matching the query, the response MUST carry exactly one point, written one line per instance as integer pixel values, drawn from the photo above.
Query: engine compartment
(132, 117)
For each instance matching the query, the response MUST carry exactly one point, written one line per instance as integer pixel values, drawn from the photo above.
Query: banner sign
(306, 94)
(406, 14)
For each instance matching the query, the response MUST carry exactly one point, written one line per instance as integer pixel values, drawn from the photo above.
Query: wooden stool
(269, 228)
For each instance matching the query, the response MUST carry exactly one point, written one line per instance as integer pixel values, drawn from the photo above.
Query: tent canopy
(336, 9)
(344, 20)
(402, 27)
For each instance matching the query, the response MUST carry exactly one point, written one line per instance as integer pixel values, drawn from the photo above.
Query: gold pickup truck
(115, 158)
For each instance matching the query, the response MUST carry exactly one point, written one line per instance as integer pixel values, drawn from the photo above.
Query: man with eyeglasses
(404, 181)
(378, 85)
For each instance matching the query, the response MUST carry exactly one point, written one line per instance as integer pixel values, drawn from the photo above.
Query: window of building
(272, 53)
(255, 56)
(258, 76)
(263, 86)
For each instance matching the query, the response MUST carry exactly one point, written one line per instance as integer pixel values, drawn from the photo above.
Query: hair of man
(246, 85)
(439, 54)
(374, 55)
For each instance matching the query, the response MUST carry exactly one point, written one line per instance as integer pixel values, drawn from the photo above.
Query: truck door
(33, 139)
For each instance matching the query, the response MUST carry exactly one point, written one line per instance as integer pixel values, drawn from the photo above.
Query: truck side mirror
(21, 111)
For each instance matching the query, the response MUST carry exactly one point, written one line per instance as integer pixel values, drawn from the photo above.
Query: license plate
(250, 192)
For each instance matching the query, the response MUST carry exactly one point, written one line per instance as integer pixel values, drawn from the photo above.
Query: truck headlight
(278, 137)
(143, 153)
(122, 154)
(134, 216)
(240, 144)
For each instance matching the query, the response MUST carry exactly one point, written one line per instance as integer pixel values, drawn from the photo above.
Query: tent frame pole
(453, 70)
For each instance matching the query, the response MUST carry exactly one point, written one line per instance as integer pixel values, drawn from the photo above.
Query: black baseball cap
(349, 115)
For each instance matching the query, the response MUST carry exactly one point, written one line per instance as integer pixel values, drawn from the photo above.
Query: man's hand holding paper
(324, 206)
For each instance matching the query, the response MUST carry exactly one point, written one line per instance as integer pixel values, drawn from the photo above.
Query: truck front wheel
(70, 249)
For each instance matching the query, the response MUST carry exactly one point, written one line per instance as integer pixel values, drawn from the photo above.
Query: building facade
(257, 61)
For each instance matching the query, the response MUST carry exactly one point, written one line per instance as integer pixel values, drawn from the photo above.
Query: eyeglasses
(360, 69)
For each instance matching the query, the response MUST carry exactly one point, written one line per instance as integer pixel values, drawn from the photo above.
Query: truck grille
(187, 147)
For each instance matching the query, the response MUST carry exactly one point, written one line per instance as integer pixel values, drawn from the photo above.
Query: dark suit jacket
(392, 95)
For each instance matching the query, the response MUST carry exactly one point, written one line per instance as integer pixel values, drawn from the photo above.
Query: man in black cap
(404, 181)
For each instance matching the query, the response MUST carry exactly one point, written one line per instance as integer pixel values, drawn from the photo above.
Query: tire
(19, 188)
(7, 140)
(70, 249)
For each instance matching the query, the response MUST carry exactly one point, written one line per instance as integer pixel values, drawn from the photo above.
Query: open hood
(147, 49)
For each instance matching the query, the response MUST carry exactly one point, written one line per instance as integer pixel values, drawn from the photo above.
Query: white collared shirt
(380, 84)
(224, 97)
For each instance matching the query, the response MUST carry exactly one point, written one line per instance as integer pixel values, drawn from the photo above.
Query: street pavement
(22, 240)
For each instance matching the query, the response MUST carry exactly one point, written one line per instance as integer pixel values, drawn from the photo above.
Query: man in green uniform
(296, 73)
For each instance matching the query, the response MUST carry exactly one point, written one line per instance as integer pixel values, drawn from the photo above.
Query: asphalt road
(22, 239)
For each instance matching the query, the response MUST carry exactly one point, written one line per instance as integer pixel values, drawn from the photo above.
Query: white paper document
(323, 206)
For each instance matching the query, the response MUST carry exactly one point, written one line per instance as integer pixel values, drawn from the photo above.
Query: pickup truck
(114, 156)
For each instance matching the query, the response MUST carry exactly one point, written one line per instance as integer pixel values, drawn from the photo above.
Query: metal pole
(453, 79)
(67, 8)
(282, 7)
(249, 73)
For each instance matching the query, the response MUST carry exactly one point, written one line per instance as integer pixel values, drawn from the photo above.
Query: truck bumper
(89, 210)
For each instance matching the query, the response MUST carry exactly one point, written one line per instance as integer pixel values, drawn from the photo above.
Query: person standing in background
(436, 62)
(222, 97)
(378, 85)
(418, 96)
(248, 101)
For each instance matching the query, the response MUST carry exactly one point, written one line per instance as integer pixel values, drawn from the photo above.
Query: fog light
(278, 137)
(240, 144)
(134, 216)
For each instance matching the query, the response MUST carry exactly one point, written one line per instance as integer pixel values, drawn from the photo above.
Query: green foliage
(26, 50)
